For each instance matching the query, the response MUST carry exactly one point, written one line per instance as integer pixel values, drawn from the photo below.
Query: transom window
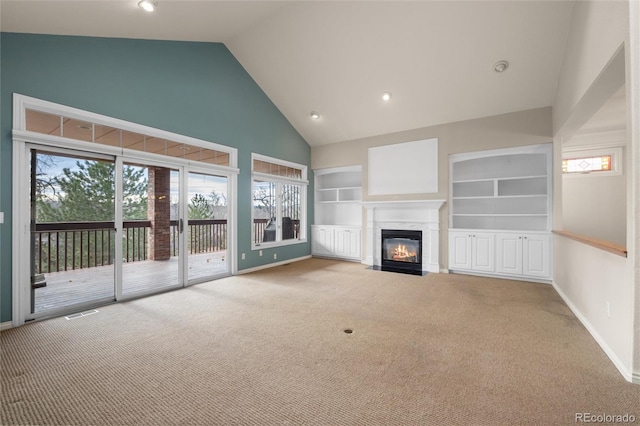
(600, 163)
(88, 131)
(596, 162)
(279, 202)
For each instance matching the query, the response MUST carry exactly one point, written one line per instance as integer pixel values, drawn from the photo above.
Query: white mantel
(418, 215)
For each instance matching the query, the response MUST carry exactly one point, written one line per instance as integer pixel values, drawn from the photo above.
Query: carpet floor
(269, 348)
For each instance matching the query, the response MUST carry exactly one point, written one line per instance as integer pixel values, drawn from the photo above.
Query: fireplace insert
(402, 251)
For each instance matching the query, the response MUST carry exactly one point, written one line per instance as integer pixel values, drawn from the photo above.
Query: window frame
(578, 153)
(279, 181)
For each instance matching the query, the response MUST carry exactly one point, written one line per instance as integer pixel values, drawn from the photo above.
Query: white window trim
(21, 103)
(616, 160)
(20, 161)
(279, 180)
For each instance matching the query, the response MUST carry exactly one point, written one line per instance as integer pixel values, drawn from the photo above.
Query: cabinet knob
(525, 238)
(519, 238)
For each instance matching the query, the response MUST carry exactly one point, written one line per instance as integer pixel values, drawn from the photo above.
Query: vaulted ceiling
(338, 57)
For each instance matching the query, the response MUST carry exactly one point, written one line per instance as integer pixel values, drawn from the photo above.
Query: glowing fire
(401, 253)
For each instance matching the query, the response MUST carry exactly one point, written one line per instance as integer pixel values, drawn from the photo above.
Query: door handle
(181, 226)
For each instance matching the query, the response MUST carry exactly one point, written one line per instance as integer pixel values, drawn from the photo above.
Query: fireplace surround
(416, 215)
(401, 251)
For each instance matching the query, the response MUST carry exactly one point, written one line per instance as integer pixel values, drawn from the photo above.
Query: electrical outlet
(275, 255)
(243, 256)
(608, 309)
(260, 253)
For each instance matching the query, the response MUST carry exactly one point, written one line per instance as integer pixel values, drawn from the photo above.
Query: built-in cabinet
(337, 231)
(500, 212)
(336, 241)
(472, 250)
(523, 254)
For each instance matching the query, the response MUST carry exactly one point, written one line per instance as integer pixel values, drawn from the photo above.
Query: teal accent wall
(195, 89)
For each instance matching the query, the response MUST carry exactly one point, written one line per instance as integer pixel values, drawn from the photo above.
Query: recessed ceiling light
(501, 66)
(386, 96)
(148, 5)
(315, 115)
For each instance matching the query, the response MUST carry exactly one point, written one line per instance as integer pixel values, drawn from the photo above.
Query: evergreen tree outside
(84, 193)
(87, 193)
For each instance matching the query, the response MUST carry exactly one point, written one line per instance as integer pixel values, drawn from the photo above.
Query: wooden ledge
(594, 242)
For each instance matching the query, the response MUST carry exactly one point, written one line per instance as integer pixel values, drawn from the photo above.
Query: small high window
(599, 162)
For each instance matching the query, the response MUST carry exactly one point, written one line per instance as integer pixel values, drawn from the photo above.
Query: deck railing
(66, 246)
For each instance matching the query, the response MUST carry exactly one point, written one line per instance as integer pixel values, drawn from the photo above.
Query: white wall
(590, 279)
(586, 277)
(633, 132)
(595, 205)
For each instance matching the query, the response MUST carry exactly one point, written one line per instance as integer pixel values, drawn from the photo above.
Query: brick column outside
(159, 213)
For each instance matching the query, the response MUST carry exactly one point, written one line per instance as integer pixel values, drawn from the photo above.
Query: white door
(347, 243)
(354, 251)
(459, 250)
(535, 255)
(322, 240)
(509, 253)
(207, 227)
(483, 256)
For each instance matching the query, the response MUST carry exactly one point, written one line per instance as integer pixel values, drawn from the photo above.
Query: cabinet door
(347, 243)
(509, 253)
(459, 250)
(322, 240)
(482, 252)
(536, 255)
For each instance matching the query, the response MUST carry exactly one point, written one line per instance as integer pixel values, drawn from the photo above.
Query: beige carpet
(269, 349)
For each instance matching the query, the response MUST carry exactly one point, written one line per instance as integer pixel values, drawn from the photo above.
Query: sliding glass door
(150, 228)
(207, 233)
(106, 229)
(72, 238)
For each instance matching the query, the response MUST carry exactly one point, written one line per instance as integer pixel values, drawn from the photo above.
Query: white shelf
(339, 188)
(502, 178)
(338, 195)
(505, 189)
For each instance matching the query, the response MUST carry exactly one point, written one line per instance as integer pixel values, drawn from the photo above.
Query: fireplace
(401, 251)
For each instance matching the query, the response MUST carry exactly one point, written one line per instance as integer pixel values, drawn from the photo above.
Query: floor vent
(81, 314)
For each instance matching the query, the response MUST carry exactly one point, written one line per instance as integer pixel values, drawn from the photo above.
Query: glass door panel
(207, 226)
(150, 234)
(72, 231)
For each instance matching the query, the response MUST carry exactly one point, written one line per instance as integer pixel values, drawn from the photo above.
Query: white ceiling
(337, 57)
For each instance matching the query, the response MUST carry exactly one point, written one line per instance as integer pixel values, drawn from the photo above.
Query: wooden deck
(85, 285)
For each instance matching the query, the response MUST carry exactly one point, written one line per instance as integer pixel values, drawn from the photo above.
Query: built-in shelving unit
(338, 213)
(500, 192)
(500, 205)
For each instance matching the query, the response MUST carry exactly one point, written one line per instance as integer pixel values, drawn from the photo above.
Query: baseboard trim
(617, 362)
(6, 325)
(524, 278)
(272, 265)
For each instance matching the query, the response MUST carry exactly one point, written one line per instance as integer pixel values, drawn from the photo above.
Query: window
(95, 132)
(279, 202)
(600, 162)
